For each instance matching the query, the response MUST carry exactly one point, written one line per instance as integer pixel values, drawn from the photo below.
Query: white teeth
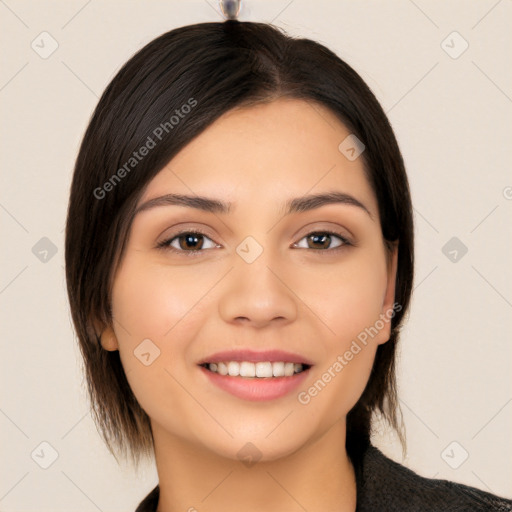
(247, 369)
(278, 369)
(233, 368)
(288, 369)
(261, 369)
(222, 368)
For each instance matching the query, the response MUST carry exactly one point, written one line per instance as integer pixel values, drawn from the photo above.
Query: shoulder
(387, 486)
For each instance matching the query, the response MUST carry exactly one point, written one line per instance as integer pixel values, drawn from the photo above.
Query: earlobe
(389, 307)
(389, 299)
(109, 340)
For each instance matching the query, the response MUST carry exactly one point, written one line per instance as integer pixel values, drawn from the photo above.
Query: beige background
(452, 117)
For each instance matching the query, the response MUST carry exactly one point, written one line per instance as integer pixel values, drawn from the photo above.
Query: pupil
(191, 240)
(323, 239)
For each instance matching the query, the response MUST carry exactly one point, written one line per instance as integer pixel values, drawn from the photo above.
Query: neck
(317, 477)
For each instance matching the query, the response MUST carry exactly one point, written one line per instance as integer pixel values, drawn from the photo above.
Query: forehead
(266, 153)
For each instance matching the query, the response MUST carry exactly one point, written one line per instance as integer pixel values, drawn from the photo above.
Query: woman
(239, 260)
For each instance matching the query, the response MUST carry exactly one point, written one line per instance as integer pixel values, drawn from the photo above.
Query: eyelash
(166, 244)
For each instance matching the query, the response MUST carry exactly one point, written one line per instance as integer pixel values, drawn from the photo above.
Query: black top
(383, 485)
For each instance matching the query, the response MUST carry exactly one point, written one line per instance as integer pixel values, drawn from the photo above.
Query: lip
(252, 356)
(256, 389)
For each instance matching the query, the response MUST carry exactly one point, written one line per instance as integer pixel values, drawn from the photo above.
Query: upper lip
(253, 356)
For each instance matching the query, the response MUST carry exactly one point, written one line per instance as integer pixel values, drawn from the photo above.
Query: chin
(250, 448)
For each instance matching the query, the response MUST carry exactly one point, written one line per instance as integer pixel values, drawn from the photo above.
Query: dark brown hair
(214, 67)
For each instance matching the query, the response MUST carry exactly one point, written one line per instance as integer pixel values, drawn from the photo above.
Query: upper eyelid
(167, 241)
(345, 239)
(333, 226)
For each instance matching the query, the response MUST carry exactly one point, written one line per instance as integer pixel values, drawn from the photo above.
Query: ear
(388, 306)
(109, 339)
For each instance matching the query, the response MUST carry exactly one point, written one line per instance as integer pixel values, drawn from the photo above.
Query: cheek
(162, 307)
(150, 301)
(165, 308)
(346, 295)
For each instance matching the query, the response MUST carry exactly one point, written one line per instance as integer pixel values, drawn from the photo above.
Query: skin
(310, 301)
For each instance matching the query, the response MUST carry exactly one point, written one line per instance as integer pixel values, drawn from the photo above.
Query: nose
(258, 295)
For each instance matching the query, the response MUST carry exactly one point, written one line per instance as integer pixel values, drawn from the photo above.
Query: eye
(322, 240)
(188, 242)
(193, 242)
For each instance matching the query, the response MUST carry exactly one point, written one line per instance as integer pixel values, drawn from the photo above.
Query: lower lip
(256, 389)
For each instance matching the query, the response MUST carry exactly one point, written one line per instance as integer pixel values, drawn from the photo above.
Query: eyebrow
(296, 205)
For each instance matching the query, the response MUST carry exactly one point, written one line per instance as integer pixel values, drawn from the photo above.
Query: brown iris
(319, 238)
(192, 241)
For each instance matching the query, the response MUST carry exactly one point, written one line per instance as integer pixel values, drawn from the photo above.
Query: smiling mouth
(259, 370)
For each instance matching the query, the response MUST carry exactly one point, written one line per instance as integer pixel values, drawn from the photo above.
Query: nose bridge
(255, 293)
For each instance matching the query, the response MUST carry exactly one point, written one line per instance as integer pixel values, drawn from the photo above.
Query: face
(260, 276)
